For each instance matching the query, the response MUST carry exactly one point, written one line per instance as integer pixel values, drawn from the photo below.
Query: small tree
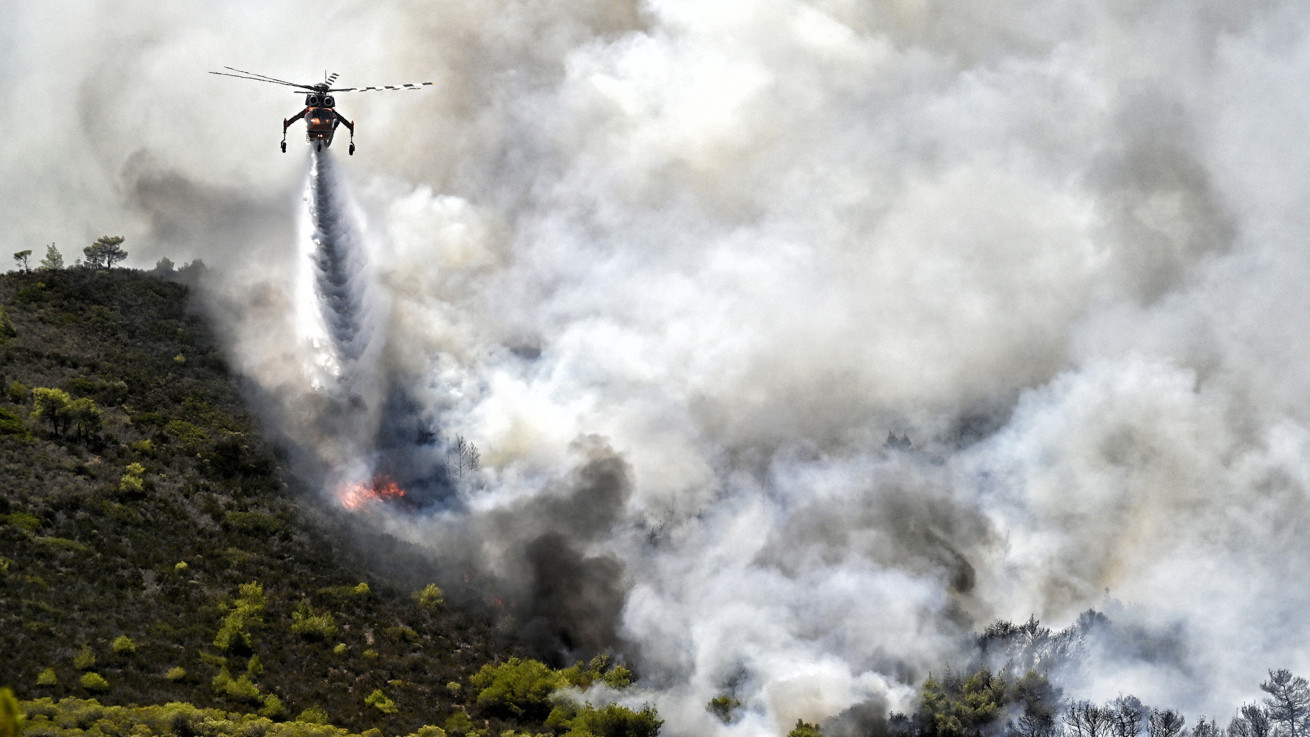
(21, 258)
(86, 415)
(105, 252)
(54, 406)
(467, 456)
(53, 261)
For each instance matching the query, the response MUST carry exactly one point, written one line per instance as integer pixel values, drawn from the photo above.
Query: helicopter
(320, 113)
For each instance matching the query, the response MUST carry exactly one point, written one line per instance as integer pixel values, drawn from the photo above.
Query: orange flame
(358, 496)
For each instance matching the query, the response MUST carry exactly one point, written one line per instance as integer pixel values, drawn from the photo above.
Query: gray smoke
(1060, 246)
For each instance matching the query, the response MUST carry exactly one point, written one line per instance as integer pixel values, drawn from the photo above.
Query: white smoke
(1059, 245)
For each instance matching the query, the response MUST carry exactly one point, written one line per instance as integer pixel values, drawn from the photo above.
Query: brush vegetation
(152, 552)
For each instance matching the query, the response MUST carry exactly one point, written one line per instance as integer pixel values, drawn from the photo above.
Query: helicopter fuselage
(320, 124)
(321, 121)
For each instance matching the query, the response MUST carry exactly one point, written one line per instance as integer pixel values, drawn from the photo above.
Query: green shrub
(311, 626)
(190, 435)
(617, 677)
(273, 708)
(407, 634)
(123, 645)
(804, 729)
(176, 673)
(340, 649)
(517, 687)
(47, 678)
(430, 597)
(11, 716)
(242, 689)
(64, 544)
(245, 612)
(722, 707)
(599, 669)
(379, 701)
(148, 419)
(144, 447)
(21, 519)
(459, 724)
(133, 480)
(11, 425)
(93, 681)
(314, 715)
(346, 594)
(7, 330)
(85, 659)
(610, 719)
(19, 393)
(255, 523)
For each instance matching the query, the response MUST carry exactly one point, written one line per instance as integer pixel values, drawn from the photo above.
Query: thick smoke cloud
(679, 269)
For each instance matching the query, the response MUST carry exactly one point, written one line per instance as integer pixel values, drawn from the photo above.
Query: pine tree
(1288, 704)
(53, 261)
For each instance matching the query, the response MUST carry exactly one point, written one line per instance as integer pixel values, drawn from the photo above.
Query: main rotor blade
(262, 78)
(412, 86)
(265, 76)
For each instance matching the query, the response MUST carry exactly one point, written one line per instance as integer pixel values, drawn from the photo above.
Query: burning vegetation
(362, 496)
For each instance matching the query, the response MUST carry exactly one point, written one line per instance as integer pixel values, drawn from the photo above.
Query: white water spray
(339, 314)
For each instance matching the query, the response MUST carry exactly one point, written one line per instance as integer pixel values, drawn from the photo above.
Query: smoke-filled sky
(679, 267)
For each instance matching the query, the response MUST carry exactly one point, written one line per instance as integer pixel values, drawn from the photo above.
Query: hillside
(148, 537)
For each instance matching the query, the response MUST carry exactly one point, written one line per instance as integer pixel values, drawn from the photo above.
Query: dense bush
(610, 720)
(430, 597)
(123, 645)
(244, 613)
(517, 687)
(306, 623)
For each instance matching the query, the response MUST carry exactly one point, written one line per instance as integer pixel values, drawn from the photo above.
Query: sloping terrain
(150, 550)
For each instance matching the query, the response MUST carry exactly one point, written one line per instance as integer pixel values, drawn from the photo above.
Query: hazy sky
(697, 259)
